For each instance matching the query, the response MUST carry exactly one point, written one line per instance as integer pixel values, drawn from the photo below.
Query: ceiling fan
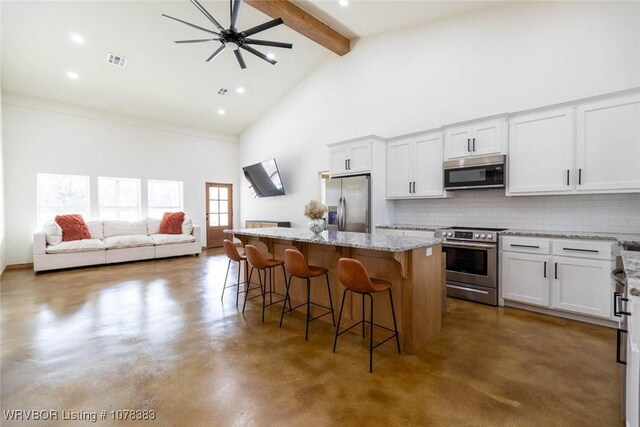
(231, 37)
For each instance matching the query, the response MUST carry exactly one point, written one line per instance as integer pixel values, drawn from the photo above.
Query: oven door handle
(469, 245)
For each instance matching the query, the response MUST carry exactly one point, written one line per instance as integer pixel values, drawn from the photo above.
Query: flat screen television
(264, 178)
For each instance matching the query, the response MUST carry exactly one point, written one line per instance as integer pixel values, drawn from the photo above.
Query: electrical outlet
(429, 251)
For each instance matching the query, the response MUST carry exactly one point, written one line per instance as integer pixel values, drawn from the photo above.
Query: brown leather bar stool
(355, 278)
(258, 262)
(296, 265)
(231, 251)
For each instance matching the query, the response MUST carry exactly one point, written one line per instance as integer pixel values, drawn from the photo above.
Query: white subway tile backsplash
(608, 213)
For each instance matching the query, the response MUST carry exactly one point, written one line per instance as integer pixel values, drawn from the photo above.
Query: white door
(525, 278)
(582, 286)
(427, 165)
(399, 168)
(608, 144)
(457, 141)
(541, 152)
(338, 160)
(488, 137)
(359, 160)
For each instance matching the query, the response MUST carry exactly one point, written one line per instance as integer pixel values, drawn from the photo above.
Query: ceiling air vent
(223, 91)
(118, 60)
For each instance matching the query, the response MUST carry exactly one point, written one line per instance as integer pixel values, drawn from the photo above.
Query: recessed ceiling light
(240, 89)
(77, 38)
(344, 2)
(271, 56)
(221, 111)
(73, 75)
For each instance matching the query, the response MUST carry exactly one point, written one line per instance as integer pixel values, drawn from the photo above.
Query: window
(62, 194)
(164, 196)
(119, 198)
(220, 205)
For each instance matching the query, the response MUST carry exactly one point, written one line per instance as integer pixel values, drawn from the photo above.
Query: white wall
(505, 59)
(3, 252)
(46, 137)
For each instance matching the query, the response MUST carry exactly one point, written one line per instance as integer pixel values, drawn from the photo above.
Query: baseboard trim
(563, 314)
(19, 266)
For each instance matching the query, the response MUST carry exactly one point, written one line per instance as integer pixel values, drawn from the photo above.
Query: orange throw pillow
(73, 227)
(172, 223)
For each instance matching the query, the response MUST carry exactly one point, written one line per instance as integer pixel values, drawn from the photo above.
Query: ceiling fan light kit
(232, 38)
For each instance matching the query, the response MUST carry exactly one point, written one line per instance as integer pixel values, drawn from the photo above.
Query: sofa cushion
(172, 223)
(169, 239)
(84, 245)
(153, 226)
(95, 229)
(130, 241)
(187, 226)
(124, 228)
(53, 233)
(73, 227)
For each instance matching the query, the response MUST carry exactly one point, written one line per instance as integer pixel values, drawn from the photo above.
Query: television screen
(264, 178)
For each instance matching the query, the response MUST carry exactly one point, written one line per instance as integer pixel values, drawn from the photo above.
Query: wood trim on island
(416, 278)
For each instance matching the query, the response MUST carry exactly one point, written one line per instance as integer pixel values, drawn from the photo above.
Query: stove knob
(449, 234)
(482, 236)
(489, 236)
(476, 235)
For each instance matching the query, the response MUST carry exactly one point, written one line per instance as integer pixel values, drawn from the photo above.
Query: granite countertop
(376, 242)
(623, 239)
(411, 227)
(631, 261)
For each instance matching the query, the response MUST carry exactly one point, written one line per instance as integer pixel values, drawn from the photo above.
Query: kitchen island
(412, 265)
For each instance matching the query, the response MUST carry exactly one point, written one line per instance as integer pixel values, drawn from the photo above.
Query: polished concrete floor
(155, 336)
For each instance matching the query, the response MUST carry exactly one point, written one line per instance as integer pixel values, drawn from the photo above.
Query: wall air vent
(223, 91)
(118, 60)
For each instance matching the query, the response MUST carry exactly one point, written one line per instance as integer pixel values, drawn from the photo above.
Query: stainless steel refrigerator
(349, 204)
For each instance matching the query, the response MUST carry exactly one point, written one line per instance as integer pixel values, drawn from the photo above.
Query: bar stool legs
(263, 289)
(371, 324)
(237, 284)
(308, 304)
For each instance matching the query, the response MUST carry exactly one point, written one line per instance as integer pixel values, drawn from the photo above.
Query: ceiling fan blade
(258, 54)
(268, 43)
(207, 14)
(262, 27)
(191, 25)
(240, 59)
(216, 53)
(235, 14)
(195, 41)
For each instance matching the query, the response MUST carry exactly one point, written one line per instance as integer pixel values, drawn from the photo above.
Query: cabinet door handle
(345, 164)
(474, 144)
(414, 187)
(524, 246)
(567, 176)
(469, 145)
(580, 176)
(545, 269)
(556, 271)
(581, 250)
(619, 333)
(409, 186)
(349, 164)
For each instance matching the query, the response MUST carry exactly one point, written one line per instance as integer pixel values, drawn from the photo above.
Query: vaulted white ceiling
(170, 82)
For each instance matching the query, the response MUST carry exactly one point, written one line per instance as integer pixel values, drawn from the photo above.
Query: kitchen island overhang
(412, 265)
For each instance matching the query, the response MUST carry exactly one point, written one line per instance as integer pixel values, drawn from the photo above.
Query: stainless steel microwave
(475, 172)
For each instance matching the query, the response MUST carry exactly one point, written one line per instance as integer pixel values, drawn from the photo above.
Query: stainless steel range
(472, 263)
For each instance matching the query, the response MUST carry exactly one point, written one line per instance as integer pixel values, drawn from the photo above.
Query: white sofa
(112, 242)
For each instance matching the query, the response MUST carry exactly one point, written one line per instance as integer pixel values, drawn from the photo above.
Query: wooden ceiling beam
(304, 23)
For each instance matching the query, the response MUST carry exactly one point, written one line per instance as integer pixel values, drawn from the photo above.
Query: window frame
(150, 208)
(39, 218)
(117, 207)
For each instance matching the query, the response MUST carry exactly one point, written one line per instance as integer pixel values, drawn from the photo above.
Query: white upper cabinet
(350, 158)
(541, 152)
(414, 167)
(608, 144)
(479, 138)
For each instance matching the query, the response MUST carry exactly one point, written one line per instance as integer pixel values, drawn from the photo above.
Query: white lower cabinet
(427, 234)
(582, 286)
(574, 284)
(525, 278)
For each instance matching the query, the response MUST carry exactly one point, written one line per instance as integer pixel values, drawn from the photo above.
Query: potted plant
(315, 211)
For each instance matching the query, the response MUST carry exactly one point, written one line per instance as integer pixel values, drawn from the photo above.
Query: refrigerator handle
(342, 214)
